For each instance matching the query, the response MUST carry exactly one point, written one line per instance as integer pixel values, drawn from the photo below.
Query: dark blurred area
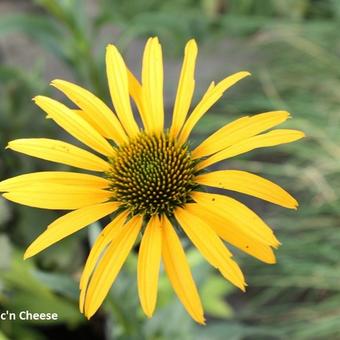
(292, 49)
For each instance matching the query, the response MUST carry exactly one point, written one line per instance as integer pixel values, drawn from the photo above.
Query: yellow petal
(74, 125)
(135, 90)
(250, 184)
(59, 152)
(110, 265)
(97, 112)
(238, 130)
(149, 259)
(210, 245)
(89, 118)
(213, 94)
(238, 214)
(272, 138)
(152, 85)
(69, 224)
(46, 178)
(108, 235)
(185, 90)
(178, 271)
(57, 196)
(234, 235)
(119, 89)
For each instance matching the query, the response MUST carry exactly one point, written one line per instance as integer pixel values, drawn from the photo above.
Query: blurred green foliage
(294, 49)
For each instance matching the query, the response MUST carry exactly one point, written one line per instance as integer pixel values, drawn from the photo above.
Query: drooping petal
(117, 76)
(250, 184)
(108, 235)
(97, 112)
(46, 178)
(178, 271)
(59, 152)
(238, 130)
(74, 125)
(110, 265)
(149, 260)
(231, 233)
(185, 89)
(272, 138)
(212, 95)
(238, 214)
(152, 85)
(69, 224)
(210, 245)
(57, 196)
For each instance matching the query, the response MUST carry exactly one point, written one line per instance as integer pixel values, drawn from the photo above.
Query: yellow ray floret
(250, 184)
(119, 89)
(135, 90)
(54, 177)
(185, 89)
(110, 265)
(213, 94)
(59, 152)
(89, 118)
(231, 233)
(108, 235)
(57, 196)
(74, 125)
(238, 130)
(272, 138)
(97, 112)
(238, 214)
(152, 85)
(178, 271)
(69, 224)
(149, 259)
(210, 245)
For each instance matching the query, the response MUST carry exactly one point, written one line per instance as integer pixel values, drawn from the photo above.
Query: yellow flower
(150, 180)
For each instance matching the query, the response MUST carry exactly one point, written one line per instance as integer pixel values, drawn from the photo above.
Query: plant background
(292, 48)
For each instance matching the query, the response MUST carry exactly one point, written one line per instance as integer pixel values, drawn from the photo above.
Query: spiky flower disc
(150, 177)
(152, 174)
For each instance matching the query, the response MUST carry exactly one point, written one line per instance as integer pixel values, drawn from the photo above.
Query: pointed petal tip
(295, 205)
(192, 43)
(56, 82)
(201, 320)
(38, 99)
(277, 244)
(273, 261)
(110, 48)
(27, 255)
(245, 73)
(148, 314)
(87, 313)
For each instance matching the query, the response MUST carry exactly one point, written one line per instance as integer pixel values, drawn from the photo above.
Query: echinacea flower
(150, 180)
